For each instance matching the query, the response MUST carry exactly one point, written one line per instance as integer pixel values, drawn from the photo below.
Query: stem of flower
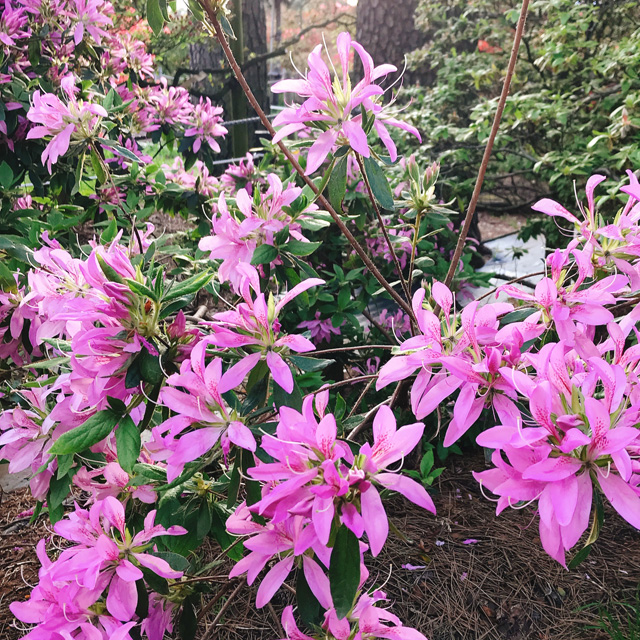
(342, 383)
(206, 5)
(489, 147)
(520, 279)
(383, 227)
(361, 397)
(414, 245)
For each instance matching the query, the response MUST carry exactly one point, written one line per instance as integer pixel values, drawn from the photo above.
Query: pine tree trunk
(386, 29)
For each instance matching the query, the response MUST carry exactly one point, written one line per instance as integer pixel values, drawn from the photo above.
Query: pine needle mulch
(467, 575)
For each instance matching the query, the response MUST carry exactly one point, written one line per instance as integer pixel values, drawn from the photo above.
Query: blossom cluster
(90, 590)
(568, 411)
(71, 117)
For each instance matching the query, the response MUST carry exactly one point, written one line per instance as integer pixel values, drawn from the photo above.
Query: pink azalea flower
(365, 620)
(92, 15)
(471, 350)
(235, 237)
(320, 329)
(337, 105)
(92, 582)
(254, 323)
(200, 409)
(207, 127)
(578, 443)
(75, 121)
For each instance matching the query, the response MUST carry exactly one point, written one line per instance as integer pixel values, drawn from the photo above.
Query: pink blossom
(207, 127)
(334, 104)
(75, 121)
(320, 329)
(254, 323)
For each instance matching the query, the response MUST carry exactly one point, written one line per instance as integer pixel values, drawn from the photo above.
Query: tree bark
(386, 29)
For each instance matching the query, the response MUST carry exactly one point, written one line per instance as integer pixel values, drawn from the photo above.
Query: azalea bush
(277, 417)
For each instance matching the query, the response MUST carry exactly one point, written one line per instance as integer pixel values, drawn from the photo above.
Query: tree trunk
(386, 29)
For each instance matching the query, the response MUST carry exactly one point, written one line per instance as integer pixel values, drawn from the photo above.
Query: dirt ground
(478, 577)
(497, 226)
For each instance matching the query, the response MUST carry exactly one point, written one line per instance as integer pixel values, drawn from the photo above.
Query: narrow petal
(122, 599)
(409, 488)
(320, 150)
(273, 581)
(234, 376)
(375, 519)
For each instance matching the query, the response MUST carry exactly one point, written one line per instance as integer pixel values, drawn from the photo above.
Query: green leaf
(142, 608)
(426, 463)
(516, 316)
(264, 254)
(234, 484)
(155, 474)
(226, 26)
(128, 444)
(110, 273)
(49, 364)
(164, 9)
(299, 248)
(175, 560)
(337, 186)
(64, 465)
(284, 399)
(310, 364)
(111, 231)
(141, 289)
(98, 166)
(6, 175)
(379, 184)
(580, 556)
(189, 286)
(188, 622)
(58, 490)
(344, 571)
(309, 609)
(90, 432)
(204, 519)
(340, 408)
(150, 369)
(176, 305)
(118, 148)
(154, 16)
(155, 582)
(219, 532)
(134, 376)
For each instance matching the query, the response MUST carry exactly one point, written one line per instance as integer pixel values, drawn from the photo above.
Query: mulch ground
(502, 586)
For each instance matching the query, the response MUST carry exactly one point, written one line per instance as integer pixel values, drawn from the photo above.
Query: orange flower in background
(485, 47)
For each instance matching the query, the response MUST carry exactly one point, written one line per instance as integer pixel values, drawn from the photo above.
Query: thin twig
(358, 428)
(326, 205)
(273, 614)
(211, 631)
(383, 227)
(378, 326)
(361, 397)
(342, 383)
(312, 354)
(489, 147)
(520, 279)
(212, 602)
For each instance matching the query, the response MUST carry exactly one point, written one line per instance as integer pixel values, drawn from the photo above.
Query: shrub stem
(489, 147)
